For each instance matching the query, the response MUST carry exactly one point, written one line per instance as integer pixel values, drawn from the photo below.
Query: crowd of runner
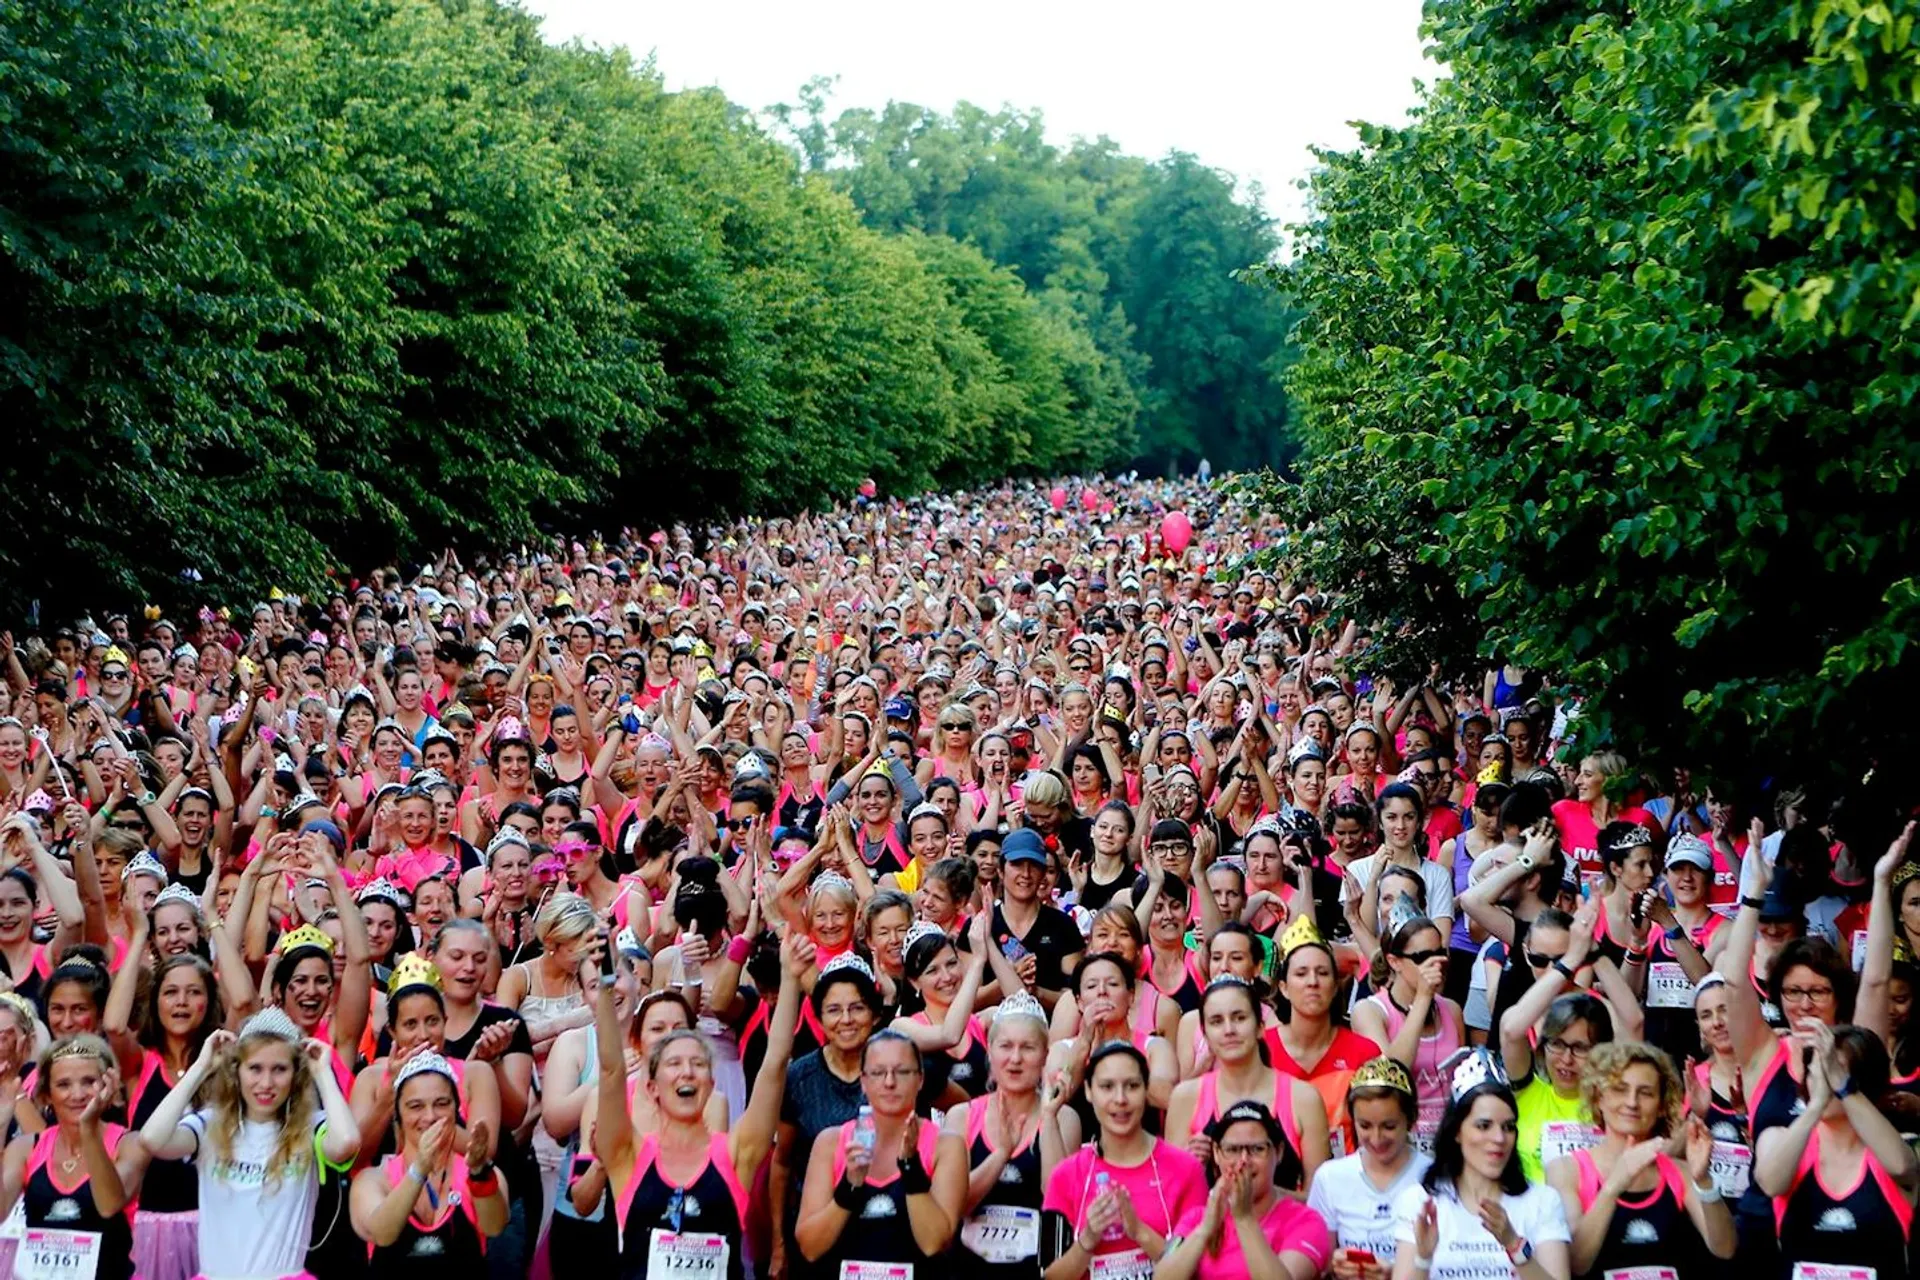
(1010, 883)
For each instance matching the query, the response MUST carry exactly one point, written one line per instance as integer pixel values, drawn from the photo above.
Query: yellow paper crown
(1301, 933)
(115, 654)
(879, 769)
(414, 970)
(305, 936)
(1382, 1072)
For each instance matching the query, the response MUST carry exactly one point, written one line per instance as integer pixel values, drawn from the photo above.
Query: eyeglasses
(890, 1074)
(1254, 1149)
(1171, 849)
(1421, 957)
(1805, 995)
(1568, 1048)
(632, 668)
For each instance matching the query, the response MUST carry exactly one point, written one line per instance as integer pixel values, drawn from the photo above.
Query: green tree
(1608, 368)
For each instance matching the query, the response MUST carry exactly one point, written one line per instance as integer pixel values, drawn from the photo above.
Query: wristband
(1843, 1090)
(848, 1196)
(1084, 1246)
(484, 1188)
(914, 1179)
(415, 1172)
(480, 1172)
(1676, 933)
(1755, 903)
(1560, 967)
(1709, 1194)
(1636, 957)
(739, 948)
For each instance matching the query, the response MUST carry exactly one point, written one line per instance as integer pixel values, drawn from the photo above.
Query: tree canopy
(298, 287)
(1139, 258)
(1608, 368)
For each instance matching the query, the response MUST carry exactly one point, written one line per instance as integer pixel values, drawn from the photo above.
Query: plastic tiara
(1468, 1069)
(271, 1021)
(1306, 749)
(421, 1063)
(381, 889)
(846, 960)
(1361, 725)
(177, 893)
(19, 1004)
(918, 930)
(144, 864)
(505, 836)
(1301, 933)
(829, 880)
(305, 936)
(927, 809)
(414, 970)
(80, 1046)
(1382, 1073)
(1020, 1005)
(1402, 913)
(1633, 837)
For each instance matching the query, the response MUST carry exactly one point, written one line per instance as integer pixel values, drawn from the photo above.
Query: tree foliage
(1138, 259)
(302, 286)
(1608, 367)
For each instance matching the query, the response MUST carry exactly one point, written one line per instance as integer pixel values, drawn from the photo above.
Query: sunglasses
(1540, 961)
(1421, 957)
(113, 675)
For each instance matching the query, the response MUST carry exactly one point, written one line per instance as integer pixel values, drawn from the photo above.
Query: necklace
(70, 1163)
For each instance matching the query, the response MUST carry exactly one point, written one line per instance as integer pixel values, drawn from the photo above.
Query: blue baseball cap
(1023, 845)
(899, 708)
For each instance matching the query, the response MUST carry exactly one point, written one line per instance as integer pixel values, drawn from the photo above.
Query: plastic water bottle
(863, 1130)
(1100, 1181)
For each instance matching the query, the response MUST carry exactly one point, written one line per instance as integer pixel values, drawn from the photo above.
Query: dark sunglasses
(1540, 961)
(1421, 957)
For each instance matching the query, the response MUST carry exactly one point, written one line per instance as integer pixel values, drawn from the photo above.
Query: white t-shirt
(1437, 879)
(1467, 1250)
(246, 1229)
(1359, 1215)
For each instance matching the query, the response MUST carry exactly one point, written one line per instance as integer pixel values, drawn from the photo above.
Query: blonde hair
(1045, 788)
(565, 918)
(1608, 1063)
(1608, 764)
(293, 1148)
(84, 1045)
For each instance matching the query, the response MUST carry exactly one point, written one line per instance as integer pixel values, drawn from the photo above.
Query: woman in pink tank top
(1419, 1027)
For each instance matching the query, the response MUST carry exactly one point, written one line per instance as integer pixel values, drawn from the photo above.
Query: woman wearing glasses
(1566, 1023)
(1811, 987)
(1248, 1228)
(679, 1190)
(952, 755)
(887, 1187)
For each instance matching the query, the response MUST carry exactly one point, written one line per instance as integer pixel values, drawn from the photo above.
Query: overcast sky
(1246, 85)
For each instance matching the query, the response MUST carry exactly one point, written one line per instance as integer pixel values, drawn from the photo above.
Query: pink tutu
(166, 1246)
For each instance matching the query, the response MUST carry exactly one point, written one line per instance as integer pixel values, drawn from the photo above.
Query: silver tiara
(1306, 749)
(1632, 838)
(271, 1021)
(177, 893)
(1402, 913)
(505, 836)
(1468, 1069)
(424, 1061)
(921, 929)
(381, 889)
(846, 960)
(829, 880)
(144, 864)
(1019, 1005)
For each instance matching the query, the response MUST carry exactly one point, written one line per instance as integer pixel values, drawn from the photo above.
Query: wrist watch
(1522, 1252)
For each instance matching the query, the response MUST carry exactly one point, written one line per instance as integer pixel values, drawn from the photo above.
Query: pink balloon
(1089, 500)
(1176, 531)
(1059, 498)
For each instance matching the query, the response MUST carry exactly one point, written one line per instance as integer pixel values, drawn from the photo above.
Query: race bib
(1131, 1265)
(1668, 987)
(1823, 1271)
(876, 1271)
(1641, 1273)
(1564, 1137)
(57, 1255)
(1002, 1233)
(686, 1255)
(1732, 1166)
